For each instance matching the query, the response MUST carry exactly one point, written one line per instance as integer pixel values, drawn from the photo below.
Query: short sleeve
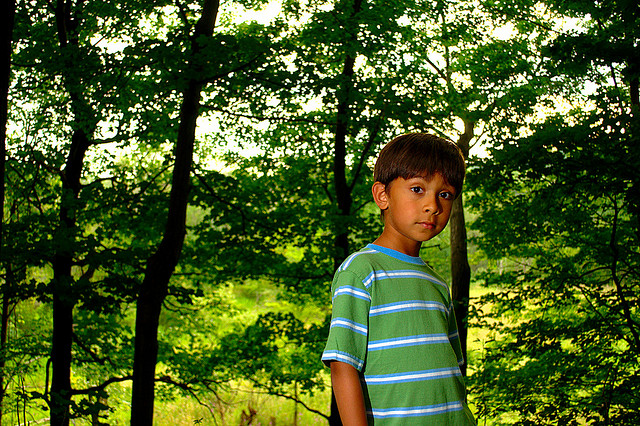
(347, 341)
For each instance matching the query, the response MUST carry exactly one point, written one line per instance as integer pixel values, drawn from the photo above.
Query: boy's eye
(446, 195)
(416, 189)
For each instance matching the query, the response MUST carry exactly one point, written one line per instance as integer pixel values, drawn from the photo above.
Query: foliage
(113, 78)
(313, 95)
(567, 347)
(278, 346)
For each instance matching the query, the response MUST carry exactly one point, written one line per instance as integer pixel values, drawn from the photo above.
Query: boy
(393, 346)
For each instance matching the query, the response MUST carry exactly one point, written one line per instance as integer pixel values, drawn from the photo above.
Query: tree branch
(264, 118)
(242, 213)
(363, 157)
(96, 358)
(187, 388)
(101, 386)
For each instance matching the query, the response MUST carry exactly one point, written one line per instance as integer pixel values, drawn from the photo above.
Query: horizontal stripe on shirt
(350, 325)
(427, 410)
(385, 275)
(399, 342)
(412, 376)
(408, 305)
(343, 357)
(352, 291)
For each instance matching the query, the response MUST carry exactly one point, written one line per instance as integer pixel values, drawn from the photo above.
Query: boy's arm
(348, 391)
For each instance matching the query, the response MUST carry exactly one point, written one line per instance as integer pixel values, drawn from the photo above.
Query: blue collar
(397, 255)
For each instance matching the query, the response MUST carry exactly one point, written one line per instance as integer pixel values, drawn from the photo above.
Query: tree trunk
(62, 287)
(62, 284)
(162, 263)
(460, 270)
(633, 68)
(9, 10)
(343, 191)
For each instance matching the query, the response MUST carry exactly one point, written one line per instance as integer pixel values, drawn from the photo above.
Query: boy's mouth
(427, 225)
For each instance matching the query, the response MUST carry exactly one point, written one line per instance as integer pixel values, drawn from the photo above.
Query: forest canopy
(181, 179)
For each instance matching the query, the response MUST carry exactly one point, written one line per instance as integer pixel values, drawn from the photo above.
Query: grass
(242, 406)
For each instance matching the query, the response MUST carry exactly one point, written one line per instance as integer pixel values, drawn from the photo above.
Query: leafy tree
(74, 95)
(567, 347)
(161, 264)
(75, 61)
(316, 97)
(346, 81)
(114, 224)
(124, 98)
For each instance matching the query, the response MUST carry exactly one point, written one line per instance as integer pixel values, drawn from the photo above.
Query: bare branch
(187, 388)
(292, 398)
(363, 157)
(101, 386)
(96, 358)
(437, 70)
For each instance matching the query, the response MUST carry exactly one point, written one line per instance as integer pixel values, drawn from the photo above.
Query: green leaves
(558, 208)
(557, 199)
(277, 351)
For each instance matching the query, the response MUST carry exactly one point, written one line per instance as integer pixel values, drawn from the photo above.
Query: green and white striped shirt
(393, 320)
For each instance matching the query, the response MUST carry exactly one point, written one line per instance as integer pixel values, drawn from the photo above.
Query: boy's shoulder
(376, 261)
(358, 259)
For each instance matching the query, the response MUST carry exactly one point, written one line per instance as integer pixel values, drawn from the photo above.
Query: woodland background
(181, 178)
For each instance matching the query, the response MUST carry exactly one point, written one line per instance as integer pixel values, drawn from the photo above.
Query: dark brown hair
(420, 154)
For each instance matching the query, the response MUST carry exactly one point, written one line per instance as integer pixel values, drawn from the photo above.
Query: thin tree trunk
(8, 12)
(7, 300)
(460, 270)
(162, 263)
(62, 289)
(62, 284)
(343, 193)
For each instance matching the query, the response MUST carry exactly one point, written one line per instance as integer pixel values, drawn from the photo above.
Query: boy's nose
(431, 204)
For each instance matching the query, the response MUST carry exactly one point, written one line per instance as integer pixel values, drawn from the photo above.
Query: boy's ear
(379, 192)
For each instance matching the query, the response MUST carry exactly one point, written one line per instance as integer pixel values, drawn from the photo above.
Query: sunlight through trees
(181, 179)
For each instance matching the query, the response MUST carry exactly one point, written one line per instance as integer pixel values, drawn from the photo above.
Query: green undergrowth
(233, 403)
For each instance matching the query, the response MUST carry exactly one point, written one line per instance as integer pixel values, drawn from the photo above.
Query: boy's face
(415, 210)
